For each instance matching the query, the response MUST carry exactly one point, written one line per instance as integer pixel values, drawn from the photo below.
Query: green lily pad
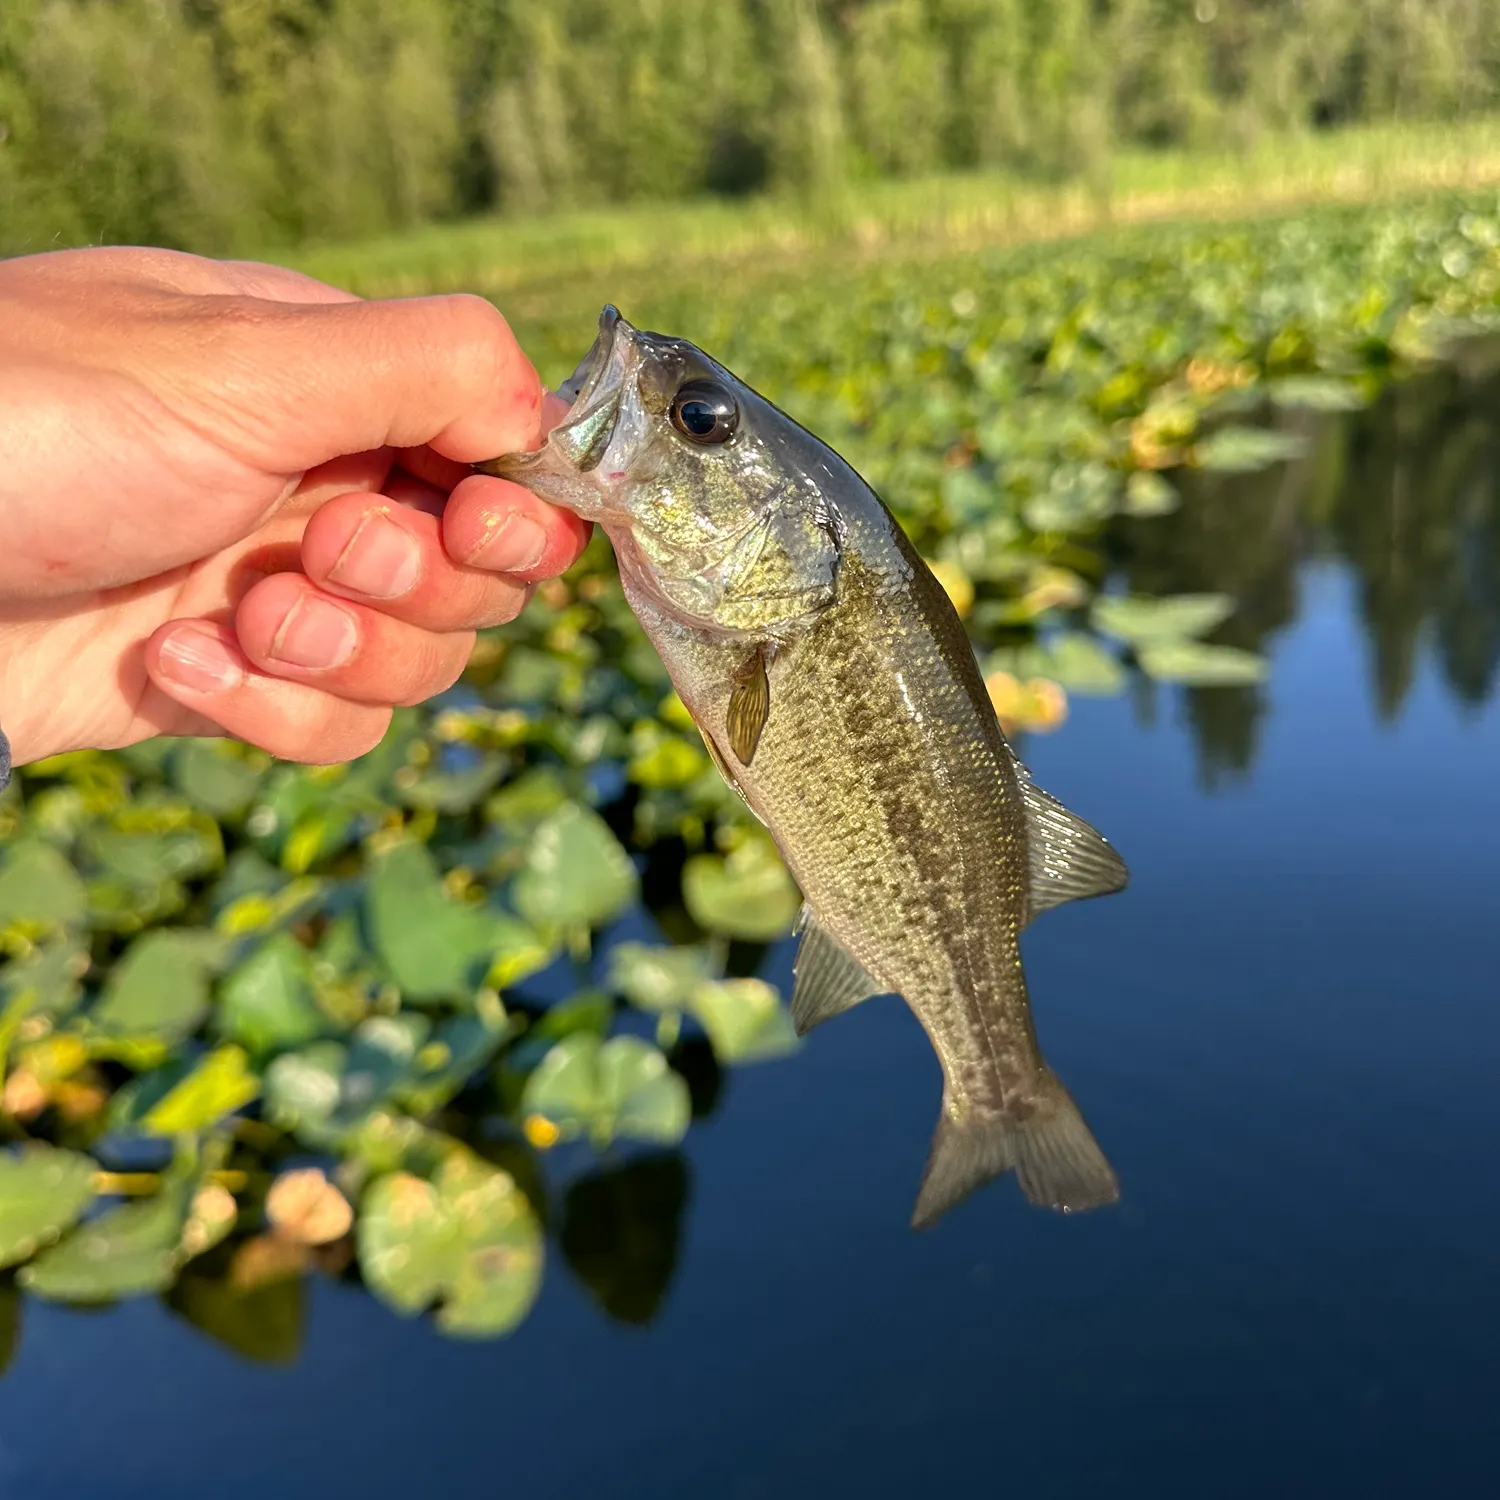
(49, 979)
(745, 894)
(455, 1052)
(216, 776)
(1318, 393)
(455, 791)
(220, 1084)
(302, 1090)
(43, 1191)
(123, 1253)
(436, 948)
(576, 874)
(38, 885)
(745, 1020)
(267, 1002)
(1195, 665)
(1148, 494)
(159, 989)
(1143, 620)
(1246, 450)
(657, 978)
(467, 1240)
(1081, 664)
(622, 1087)
(327, 1091)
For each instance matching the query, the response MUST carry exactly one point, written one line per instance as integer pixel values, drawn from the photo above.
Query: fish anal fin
(829, 979)
(1056, 1159)
(1070, 860)
(749, 706)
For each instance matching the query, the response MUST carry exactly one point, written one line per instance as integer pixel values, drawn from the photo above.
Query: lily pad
(745, 1020)
(159, 989)
(218, 1085)
(622, 1087)
(49, 979)
(216, 776)
(1196, 665)
(467, 1240)
(1246, 450)
(657, 978)
(745, 894)
(43, 1191)
(123, 1253)
(436, 948)
(576, 874)
(1143, 620)
(267, 1002)
(1080, 664)
(38, 885)
(1318, 393)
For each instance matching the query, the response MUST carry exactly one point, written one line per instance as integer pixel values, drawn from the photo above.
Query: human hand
(236, 500)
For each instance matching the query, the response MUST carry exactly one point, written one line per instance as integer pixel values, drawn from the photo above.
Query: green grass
(499, 255)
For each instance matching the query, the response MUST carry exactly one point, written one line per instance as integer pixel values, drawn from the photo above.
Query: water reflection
(621, 1232)
(1406, 494)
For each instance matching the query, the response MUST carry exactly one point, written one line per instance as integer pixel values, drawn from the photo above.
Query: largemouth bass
(837, 692)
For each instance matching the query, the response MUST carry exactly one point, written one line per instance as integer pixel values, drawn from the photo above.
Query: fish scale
(838, 693)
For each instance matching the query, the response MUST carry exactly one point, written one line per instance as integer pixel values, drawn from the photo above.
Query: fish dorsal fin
(829, 979)
(1070, 861)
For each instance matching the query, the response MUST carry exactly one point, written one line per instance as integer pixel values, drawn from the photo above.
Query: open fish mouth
(593, 390)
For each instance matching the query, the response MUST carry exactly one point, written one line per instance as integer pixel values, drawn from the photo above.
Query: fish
(838, 694)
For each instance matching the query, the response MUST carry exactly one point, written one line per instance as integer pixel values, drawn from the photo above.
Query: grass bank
(495, 256)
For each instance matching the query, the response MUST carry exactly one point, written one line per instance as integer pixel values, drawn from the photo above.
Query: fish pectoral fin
(1057, 1161)
(829, 979)
(749, 706)
(1070, 860)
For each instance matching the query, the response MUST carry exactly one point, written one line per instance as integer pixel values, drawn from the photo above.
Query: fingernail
(381, 559)
(193, 657)
(512, 544)
(316, 634)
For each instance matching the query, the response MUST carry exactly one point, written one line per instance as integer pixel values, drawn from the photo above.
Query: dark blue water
(1286, 1034)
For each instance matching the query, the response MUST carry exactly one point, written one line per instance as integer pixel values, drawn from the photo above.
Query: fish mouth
(593, 390)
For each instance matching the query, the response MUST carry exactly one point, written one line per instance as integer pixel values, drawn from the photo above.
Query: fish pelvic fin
(1070, 860)
(829, 979)
(1054, 1154)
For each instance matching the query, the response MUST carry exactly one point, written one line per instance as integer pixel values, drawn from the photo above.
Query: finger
(279, 284)
(502, 527)
(200, 666)
(300, 384)
(445, 473)
(290, 628)
(371, 550)
(414, 494)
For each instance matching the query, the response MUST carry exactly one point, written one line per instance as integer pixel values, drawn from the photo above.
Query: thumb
(292, 385)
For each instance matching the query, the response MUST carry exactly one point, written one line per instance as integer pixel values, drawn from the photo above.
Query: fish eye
(705, 412)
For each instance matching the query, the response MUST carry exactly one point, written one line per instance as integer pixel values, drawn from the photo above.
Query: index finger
(298, 384)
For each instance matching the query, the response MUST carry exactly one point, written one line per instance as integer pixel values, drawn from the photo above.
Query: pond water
(1285, 1034)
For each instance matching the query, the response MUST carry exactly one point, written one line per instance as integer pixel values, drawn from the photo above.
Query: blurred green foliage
(226, 124)
(422, 1016)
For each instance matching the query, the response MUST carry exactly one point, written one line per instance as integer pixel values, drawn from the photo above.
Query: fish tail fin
(1056, 1159)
